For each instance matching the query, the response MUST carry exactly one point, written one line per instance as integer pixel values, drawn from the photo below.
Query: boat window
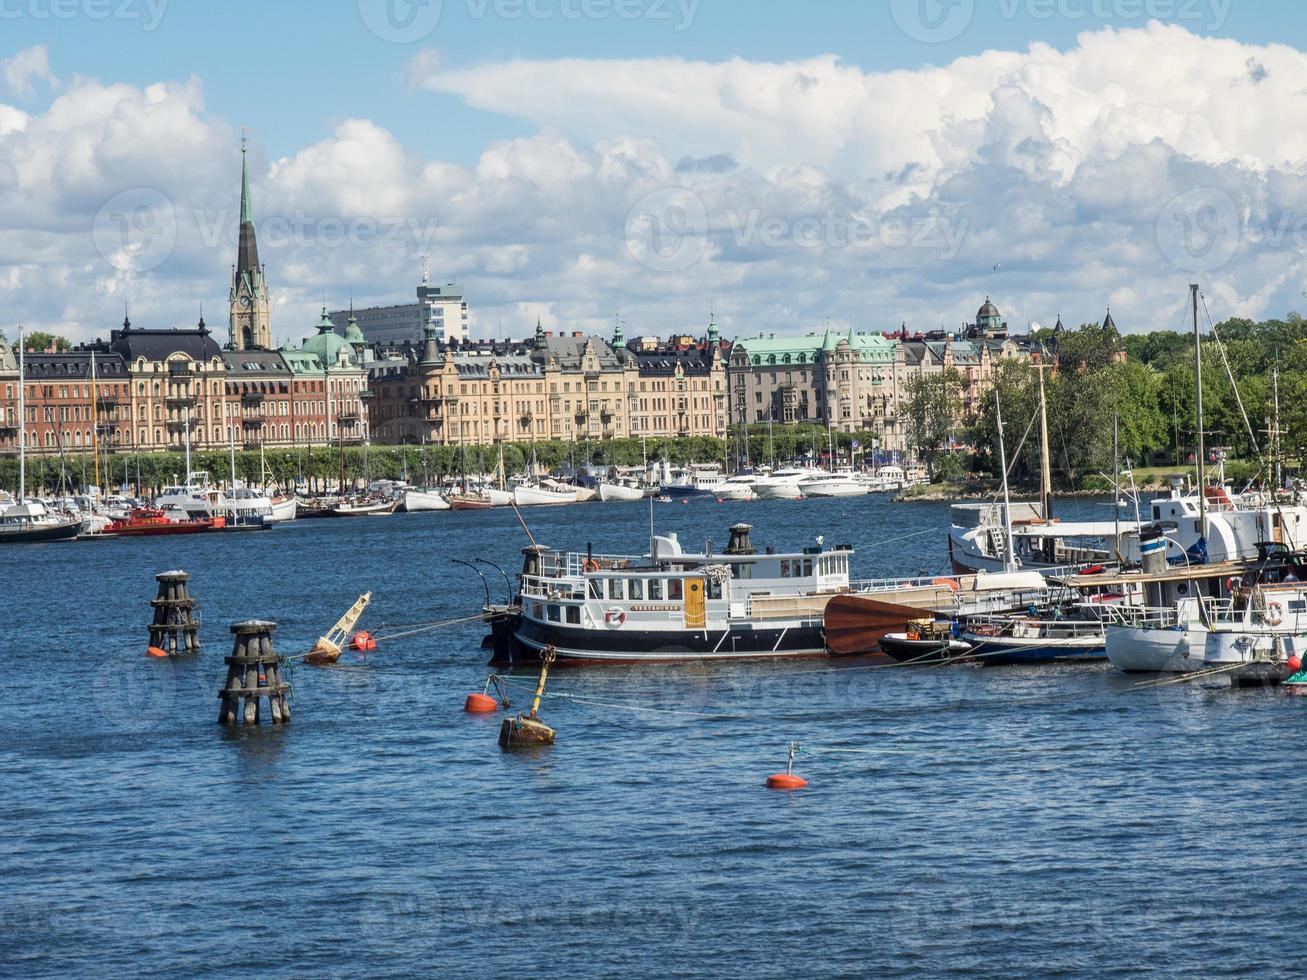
(714, 589)
(574, 614)
(637, 589)
(807, 567)
(674, 588)
(655, 588)
(555, 613)
(596, 588)
(785, 568)
(539, 610)
(616, 588)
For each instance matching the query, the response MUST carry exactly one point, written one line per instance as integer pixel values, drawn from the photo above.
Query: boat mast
(1045, 465)
(1198, 405)
(22, 420)
(1009, 564)
(1275, 423)
(1116, 484)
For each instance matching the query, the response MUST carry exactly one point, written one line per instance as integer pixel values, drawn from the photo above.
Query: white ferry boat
(671, 605)
(243, 508)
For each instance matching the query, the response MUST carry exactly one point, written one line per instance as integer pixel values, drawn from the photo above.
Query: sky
(778, 166)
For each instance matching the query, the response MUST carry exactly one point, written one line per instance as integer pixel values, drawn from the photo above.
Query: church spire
(245, 182)
(248, 317)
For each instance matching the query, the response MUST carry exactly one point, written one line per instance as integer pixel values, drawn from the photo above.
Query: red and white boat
(149, 522)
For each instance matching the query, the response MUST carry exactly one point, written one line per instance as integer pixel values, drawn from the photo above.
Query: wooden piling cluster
(253, 672)
(176, 628)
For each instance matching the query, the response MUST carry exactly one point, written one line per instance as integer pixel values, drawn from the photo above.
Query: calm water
(980, 822)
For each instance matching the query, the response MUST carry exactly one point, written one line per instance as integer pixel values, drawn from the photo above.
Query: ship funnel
(739, 542)
(1152, 548)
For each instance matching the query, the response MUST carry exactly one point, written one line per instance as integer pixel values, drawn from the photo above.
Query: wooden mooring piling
(176, 627)
(253, 673)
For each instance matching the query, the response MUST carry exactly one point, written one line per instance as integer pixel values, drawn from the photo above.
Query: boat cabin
(673, 589)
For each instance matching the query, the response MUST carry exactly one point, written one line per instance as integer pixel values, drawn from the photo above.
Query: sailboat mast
(1116, 484)
(22, 421)
(1045, 465)
(1198, 406)
(1008, 564)
(1275, 423)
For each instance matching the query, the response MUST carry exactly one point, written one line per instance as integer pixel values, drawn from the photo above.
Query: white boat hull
(778, 491)
(616, 492)
(540, 497)
(834, 488)
(736, 491)
(283, 510)
(499, 498)
(421, 501)
(1133, 649)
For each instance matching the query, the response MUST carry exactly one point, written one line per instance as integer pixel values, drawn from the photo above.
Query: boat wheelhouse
(672, 605)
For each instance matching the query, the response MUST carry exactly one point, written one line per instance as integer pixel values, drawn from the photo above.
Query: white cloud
(808, 189)
(26, 67)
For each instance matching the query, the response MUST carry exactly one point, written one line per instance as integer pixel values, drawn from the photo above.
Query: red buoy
(785, 780)
(1295, 663)
(480, 704)
(363, 642)
(155, 652)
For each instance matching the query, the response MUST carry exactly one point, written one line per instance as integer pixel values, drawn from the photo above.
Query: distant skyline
(576, 160)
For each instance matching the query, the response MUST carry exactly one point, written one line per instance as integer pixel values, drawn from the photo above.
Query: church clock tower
(249, 287)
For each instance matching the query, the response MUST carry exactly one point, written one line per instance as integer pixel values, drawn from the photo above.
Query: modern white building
(442, 306)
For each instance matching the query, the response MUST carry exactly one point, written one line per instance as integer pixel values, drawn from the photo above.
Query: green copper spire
(245, 183)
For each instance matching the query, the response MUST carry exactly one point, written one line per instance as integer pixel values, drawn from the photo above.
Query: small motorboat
(539, 496)
(469, 502)
(610, 492)
(151, 522)
(926, 641)
(366, 508)
(421, 501)
(1029, 640)
(283, 509)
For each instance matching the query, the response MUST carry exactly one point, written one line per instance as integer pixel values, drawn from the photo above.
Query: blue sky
(289, 69)
(871, 163)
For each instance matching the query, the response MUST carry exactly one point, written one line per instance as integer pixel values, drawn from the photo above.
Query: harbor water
(959, 820)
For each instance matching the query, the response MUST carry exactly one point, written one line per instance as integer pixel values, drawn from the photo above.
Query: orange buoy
(363, 641)
(155, 652)
(1295, 663)
(480, 704)
(785, 780)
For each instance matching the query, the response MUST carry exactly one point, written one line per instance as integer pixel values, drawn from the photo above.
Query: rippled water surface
(973, 821)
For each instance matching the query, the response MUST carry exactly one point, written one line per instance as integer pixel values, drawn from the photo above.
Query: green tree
(930, 413)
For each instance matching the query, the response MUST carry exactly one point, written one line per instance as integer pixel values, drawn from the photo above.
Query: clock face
(246, 302)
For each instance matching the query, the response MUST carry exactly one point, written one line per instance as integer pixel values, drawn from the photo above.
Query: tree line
(1142, 384)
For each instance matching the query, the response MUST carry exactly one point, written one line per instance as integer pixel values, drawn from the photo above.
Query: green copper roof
(328, 344)
(353, 335)
(245, 186)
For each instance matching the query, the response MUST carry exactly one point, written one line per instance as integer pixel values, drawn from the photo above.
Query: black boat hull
(519, 641)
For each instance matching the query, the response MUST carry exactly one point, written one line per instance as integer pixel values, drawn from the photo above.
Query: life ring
(590, 565)
(1274, 613)
(615, 617)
